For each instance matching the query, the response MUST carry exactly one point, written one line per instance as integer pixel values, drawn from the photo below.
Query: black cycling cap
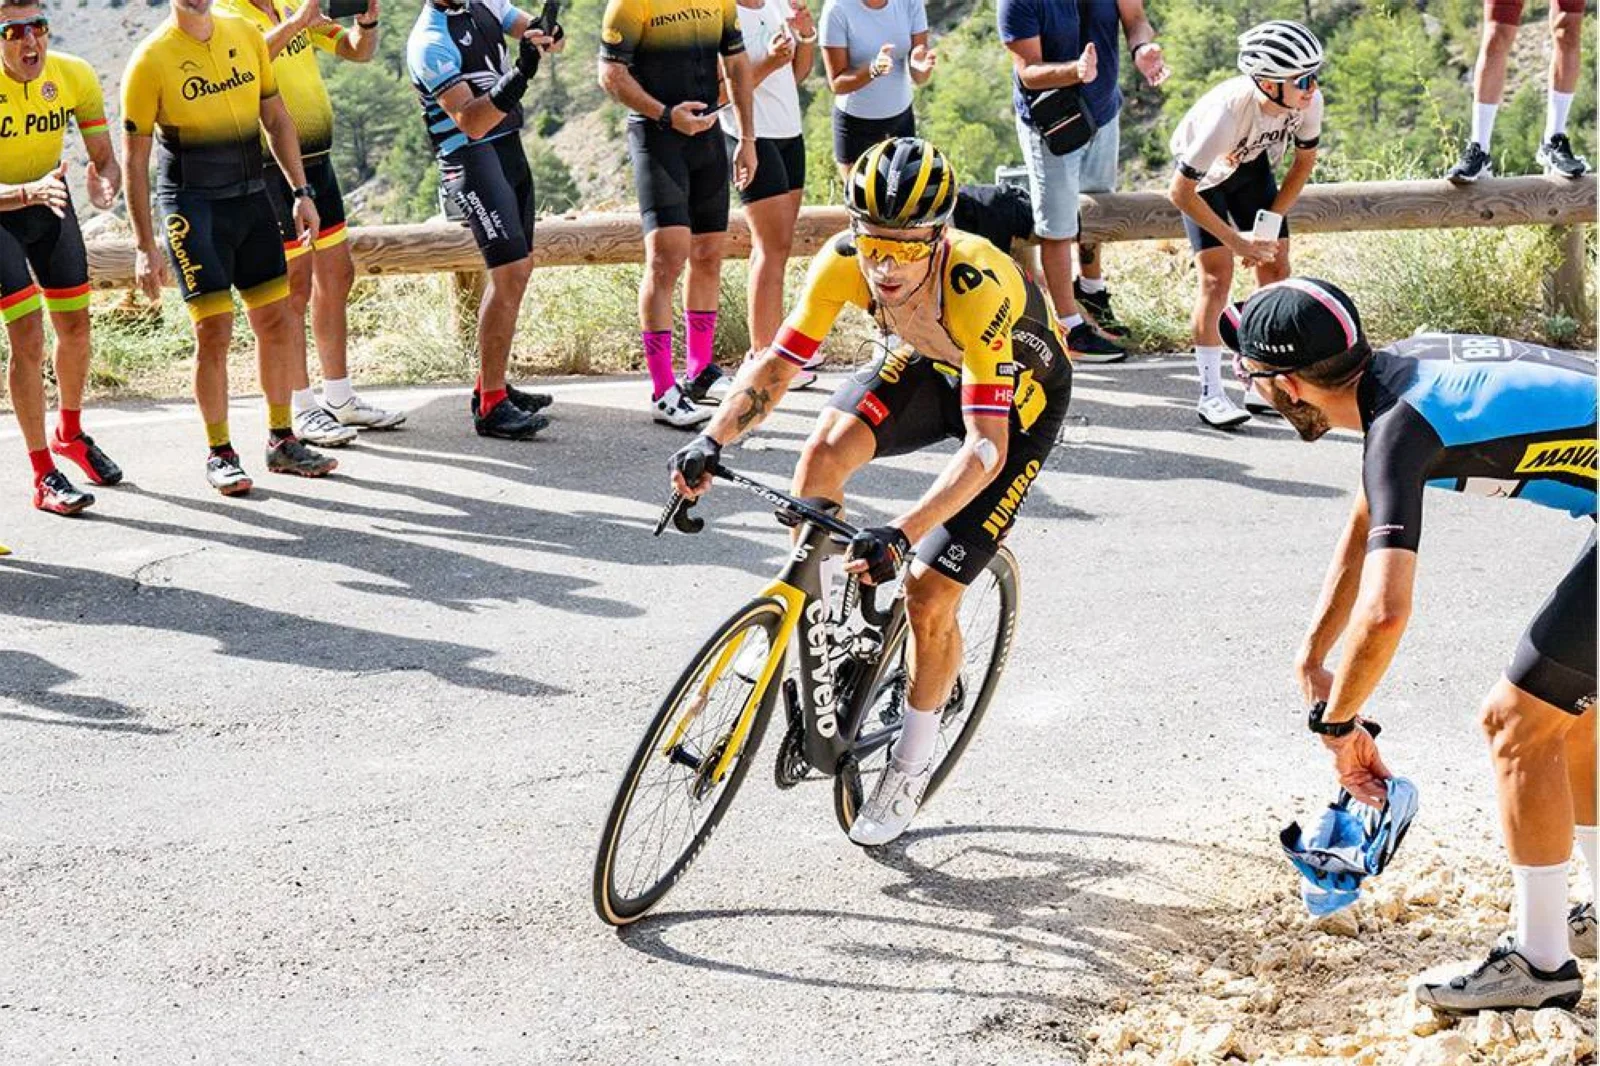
(1293, 323)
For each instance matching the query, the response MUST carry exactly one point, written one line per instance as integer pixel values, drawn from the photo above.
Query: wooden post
(469, 286)
(1566, 289)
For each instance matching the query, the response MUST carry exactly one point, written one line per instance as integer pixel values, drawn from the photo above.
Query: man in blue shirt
(471, 95)
(1057, 45)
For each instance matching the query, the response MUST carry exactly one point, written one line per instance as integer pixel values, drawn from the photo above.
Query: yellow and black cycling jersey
(671, 46)
(34, 114)
(1013, 353)
(299, 78)
(201, 100)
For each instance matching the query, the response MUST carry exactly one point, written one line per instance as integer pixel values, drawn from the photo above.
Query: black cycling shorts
(853, 136)
(910, 402)
(488, 186)
(681, 180)
(780, 167)
(53, 247)
(1249, 189)
(325, 194)
(1555, 660)
(216, 245)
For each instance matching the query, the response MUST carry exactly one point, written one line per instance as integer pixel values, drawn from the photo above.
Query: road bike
(837, 660)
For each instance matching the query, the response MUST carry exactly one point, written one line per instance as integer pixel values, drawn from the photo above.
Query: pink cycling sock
(701, 329)
(658, 357)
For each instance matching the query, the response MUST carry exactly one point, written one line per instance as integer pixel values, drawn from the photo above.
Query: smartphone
(344, 9)
(1269, 225)
(548, 17)
(708, 112)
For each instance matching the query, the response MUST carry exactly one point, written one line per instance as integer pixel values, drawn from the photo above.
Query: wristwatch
(1134, 51)
(304, 190)
(367, 25)
(664, 120)
(1328, 729)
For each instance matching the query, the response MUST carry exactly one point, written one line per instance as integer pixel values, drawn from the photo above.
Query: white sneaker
(1507, 981)
(316, 426)
(673, 408)
(893, 804)
(1219, 412)
(357, 412)
(1257, 404)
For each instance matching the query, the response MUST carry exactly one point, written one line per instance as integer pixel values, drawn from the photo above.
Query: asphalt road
(317, 775)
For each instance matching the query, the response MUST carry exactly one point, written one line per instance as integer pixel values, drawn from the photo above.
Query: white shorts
(1054, 181)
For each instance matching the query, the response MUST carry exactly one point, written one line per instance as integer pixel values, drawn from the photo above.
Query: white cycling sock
(1555, 116)
(337, 391)
(1209, 359)
(1585, 836)
(1541, 908)
(303, 399)
(918, 737)
(1483, 123)
(1071, 322)
(1092, 285)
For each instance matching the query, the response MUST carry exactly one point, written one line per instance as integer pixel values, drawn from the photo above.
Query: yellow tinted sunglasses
(901, 251)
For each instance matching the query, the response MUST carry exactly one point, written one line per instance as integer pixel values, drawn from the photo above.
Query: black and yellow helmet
(901, 183)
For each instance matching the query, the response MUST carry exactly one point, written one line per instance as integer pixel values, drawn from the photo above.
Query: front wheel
(687, 769)
(987, 618)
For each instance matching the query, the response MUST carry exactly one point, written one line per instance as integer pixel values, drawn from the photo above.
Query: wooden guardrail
(438, 247)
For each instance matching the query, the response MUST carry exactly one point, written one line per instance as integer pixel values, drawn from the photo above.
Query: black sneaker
(531, 402)
(1097, 305)
(1473, 164)
(291, 455)
(55, 494)
(1088, 346)
(1557, 157)
(83, 451)
(710, 386)
(508, 422)
(224, 473)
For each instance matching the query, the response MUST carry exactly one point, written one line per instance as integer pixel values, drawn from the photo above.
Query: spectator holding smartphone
(780, 38)
(659, 59)
(875, 52)
(1226, 148)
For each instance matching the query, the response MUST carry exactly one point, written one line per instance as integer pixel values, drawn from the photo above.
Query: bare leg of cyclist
(839, 445)
(932, 662)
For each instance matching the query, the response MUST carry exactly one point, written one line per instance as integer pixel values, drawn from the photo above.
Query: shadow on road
(31, 681)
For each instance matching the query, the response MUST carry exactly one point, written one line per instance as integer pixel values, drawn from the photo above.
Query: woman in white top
(780, 38)
(875, 52)
(1225, 149)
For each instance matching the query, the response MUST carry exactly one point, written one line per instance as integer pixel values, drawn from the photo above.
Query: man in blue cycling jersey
(1489, 417)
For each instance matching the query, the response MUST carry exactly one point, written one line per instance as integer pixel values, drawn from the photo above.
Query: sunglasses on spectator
(896, 248)
(17, 29)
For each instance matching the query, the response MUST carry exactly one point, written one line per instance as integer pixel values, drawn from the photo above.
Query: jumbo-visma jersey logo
(1559, 457)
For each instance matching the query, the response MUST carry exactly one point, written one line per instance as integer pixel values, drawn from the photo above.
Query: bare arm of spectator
(1142, 45)
(842, 79)
(1305, 159)
(802, 25)
(1185, 197)
(1027, 57)
(361, 43)
(923, 59)
(306, 15)
(620, 84)
(149, 268)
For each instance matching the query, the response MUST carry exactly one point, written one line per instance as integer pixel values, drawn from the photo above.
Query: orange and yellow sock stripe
(73, 299)
(22, 302)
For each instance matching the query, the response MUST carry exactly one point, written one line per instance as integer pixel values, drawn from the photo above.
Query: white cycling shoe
(892, 806)
(1218, 412)
(316, 426)
(673, 408)
(359, 413)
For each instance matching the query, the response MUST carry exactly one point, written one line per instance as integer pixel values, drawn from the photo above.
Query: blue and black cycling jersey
(1474, 414)
(449, 47)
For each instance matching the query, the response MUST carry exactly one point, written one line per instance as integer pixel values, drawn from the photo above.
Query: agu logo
(1559, 457)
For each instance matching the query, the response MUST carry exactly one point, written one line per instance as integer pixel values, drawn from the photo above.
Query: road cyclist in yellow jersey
(201, 89)
(980, 359)
(43, 264)
(320, 282)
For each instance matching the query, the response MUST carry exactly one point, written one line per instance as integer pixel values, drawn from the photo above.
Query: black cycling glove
(528, 56)
(694, 459)
(883, 547)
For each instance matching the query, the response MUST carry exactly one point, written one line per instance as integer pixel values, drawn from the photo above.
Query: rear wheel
(987, 617)
(682, 778)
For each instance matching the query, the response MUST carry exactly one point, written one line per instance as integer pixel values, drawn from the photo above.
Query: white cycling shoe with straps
(894, 802)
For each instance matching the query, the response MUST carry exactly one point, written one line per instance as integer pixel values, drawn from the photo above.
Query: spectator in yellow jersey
(320, 281)
(201, 89)
(42, 259)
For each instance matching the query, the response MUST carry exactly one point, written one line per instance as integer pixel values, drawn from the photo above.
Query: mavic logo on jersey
(1007, 507)
(196, 87)
(1559, 457)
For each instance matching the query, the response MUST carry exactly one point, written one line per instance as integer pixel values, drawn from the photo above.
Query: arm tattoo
(759, 401)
